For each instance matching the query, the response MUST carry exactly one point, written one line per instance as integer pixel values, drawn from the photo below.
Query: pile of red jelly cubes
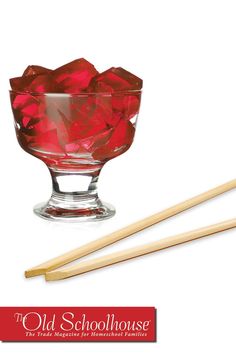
(75, 113)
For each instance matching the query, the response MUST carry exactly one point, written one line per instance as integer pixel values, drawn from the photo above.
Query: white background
(185, 144)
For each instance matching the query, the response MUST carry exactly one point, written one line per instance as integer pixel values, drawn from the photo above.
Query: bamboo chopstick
(87, 266)
(128, 230)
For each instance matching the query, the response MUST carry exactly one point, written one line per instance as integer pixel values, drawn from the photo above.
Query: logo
(124, 324)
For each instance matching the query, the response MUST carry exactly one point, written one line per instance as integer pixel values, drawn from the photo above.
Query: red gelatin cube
(132, 104)
(115, 79)
(97, 85)
(33, 125)
(88, 145)
(82, 108)
(47, 141)
(24, 105)
(35, 70)
(26, 121)
(101, 139)
(97, 140)
(105, 111)
(42, 83)
(43, 124)
(81, 128)
(120, 141)
(102, 111)
(85, 119)
(75, 76)
(123, 135)
(30, 109)
(21, 100)
(125, 106)
(20, 83)
(34, 83)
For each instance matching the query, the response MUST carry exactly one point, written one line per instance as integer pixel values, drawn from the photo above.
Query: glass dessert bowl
(75, 135)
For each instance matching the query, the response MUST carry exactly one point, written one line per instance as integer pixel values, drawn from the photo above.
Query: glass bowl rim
(80, 94)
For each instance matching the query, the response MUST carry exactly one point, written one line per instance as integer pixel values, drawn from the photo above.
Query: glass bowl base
(55, 213)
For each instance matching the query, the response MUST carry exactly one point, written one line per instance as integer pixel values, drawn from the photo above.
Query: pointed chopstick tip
(34, 272)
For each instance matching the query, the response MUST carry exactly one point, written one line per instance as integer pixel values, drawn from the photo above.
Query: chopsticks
(134, 252)
(118, 235)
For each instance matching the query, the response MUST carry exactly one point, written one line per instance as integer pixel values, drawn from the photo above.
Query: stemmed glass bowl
(75, 135)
